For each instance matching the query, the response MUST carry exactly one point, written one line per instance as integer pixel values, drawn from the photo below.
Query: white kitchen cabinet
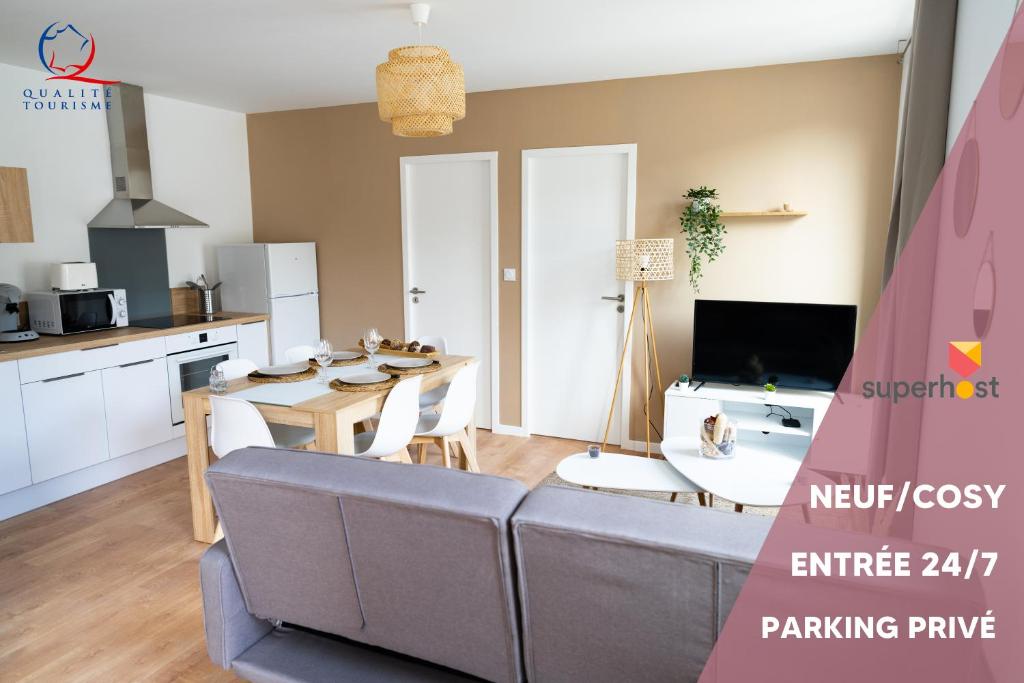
(14, 467)
(138, 406)
(73, 362)
(66, 424)
(253, 343)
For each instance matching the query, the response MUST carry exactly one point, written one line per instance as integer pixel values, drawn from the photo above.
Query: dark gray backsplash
(136, 261)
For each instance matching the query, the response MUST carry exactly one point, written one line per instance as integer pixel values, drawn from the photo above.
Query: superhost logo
(964, 359)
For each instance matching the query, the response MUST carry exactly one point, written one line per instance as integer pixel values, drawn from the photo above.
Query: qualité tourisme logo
(67, 54)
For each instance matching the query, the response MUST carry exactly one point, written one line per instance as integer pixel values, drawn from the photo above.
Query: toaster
(73, 276)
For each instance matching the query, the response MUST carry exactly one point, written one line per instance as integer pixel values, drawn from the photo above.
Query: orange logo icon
(964, 357)
(964, 360)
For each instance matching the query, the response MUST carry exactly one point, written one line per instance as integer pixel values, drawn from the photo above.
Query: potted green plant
(705, 235)
(769, 390)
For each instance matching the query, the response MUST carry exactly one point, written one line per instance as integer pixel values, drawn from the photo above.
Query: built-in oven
(190, 357)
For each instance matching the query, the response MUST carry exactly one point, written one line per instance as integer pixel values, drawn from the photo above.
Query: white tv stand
(686, 407)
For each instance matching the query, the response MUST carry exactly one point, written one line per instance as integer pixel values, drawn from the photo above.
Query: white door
(291, 269)
(577, 202)
(449, 233)
(136, 397)
(294, 320)
(66, 424)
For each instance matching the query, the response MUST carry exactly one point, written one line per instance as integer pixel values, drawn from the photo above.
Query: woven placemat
(402, 372)
(338, 385)
(282, 379)
(340, 363)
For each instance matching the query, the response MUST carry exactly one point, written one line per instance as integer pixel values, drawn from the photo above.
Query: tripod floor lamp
(641, 261)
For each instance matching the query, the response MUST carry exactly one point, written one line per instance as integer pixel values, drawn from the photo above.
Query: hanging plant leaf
(704, 233)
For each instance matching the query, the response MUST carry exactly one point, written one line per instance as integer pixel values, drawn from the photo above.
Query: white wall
(200, 162)
(981, 26)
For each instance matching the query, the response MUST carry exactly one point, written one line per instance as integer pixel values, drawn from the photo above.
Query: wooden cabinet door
(15, 207)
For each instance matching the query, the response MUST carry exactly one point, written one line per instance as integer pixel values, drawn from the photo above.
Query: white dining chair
(429, 399)
(439, 343)
(236, 424)
(398, 420)
(297, 354)
(448, 429)
(284, 436)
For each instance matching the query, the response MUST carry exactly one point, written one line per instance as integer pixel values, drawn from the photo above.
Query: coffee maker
(10, 316)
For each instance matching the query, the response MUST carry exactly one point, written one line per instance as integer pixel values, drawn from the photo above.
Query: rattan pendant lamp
(420, 90)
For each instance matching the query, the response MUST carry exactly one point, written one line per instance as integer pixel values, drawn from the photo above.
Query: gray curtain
(922, 148)
(896, 430)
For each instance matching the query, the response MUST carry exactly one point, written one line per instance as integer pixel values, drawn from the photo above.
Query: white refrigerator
(279, 280)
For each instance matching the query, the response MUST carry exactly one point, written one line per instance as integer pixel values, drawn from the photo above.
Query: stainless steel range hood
(133, 205)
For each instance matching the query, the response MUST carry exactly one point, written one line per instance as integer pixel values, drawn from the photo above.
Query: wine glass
(371, 342)
(324, 356)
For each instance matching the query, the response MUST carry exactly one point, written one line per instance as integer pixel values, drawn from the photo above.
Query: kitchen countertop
(47, 344)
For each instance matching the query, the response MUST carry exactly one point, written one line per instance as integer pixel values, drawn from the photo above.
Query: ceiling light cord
(420, 12)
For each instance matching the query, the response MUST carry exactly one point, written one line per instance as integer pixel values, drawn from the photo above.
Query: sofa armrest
(230, 629)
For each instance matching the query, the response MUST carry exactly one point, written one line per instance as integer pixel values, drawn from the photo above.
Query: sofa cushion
(229, 627)
(416, 559)
(291, 656)
(617, 588)
(288, 544)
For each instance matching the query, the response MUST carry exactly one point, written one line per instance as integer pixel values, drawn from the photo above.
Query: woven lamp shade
(644, 260)
(421, 91)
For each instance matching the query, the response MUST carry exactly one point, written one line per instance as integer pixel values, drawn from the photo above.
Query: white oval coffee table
(624, 473)
(759, 475)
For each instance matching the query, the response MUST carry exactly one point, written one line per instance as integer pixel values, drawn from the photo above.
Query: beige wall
(819, 135)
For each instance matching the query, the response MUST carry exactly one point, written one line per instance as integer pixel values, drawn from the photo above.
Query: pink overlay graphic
(960, 278)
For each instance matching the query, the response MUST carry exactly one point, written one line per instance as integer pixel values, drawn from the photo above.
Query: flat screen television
(801, 346)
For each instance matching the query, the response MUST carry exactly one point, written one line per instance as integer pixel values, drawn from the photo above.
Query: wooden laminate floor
(104, 586)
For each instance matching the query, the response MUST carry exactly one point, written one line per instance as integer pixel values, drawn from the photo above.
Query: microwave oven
(59, 312)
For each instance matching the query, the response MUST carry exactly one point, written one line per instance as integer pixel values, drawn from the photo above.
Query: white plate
(366, 378)
(409, 363)
(289, 369)
(346, 355)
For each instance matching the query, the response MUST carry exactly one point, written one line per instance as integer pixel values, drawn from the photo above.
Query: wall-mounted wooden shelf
(762, 214)
(15, 208)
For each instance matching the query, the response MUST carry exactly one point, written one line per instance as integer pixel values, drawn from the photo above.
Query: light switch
(510, 275)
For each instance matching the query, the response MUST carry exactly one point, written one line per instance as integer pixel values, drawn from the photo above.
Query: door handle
(620, 298)
(138, 362)
(417, 290)
(57, 379)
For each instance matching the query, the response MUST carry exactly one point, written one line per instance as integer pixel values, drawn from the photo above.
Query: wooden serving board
(407, 354)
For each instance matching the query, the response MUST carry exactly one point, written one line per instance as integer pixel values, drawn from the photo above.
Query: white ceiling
(265, 55)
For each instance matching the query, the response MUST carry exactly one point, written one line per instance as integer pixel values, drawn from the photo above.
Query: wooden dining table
(334, 416)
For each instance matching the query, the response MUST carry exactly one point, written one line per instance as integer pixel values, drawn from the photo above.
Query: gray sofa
(348, 569)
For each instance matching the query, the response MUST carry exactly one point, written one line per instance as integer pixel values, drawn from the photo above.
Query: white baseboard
(49, 491)
(509, 430)
(640, 446)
